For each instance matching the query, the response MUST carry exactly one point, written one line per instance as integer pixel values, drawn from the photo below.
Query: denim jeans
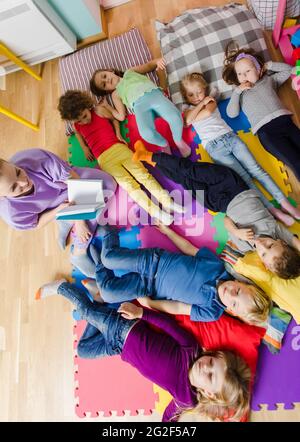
(106, 331)
(231, 151)
(142, 265)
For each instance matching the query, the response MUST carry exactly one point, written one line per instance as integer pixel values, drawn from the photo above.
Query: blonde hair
(262, 304)
(232, 402)
(194, 77)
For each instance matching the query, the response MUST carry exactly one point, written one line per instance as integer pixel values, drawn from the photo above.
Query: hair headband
(250, 57)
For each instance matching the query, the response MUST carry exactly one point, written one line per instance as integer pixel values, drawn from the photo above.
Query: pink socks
(287, 206)
(283, 217)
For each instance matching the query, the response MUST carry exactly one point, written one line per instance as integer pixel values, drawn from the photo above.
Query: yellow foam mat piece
(164, 399)
(274, 167)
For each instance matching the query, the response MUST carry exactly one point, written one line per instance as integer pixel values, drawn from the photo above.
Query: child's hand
(161, 227)
(160, 64)
(245, 234)
(105, 103)
(246, 85)
(130, 311)
(64, 205)
(263, 70)
(82, 230)
(120, 138)
(208, 100)
(88, 154)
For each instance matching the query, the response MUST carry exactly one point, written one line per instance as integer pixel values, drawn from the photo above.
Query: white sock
(164, 217)
(178, 208)
(49, 289)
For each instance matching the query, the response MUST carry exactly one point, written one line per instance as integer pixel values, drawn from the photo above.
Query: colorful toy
(279, 22)
(295, 40)
(296, 55)
(289, 22)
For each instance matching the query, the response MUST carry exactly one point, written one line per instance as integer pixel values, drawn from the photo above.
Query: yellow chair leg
(9, 54)
(16, 117)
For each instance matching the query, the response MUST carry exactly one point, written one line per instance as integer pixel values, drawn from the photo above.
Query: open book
(88, 198)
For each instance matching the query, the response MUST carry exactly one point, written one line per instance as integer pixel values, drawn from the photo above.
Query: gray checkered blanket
(195, 42)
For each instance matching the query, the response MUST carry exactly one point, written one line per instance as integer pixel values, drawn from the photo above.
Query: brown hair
(232, 402)
(195, 77)
(96, 90)
(231, 52)
(73, 103)
(287, 266)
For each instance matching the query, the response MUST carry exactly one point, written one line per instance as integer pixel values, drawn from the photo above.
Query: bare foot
(92, 288)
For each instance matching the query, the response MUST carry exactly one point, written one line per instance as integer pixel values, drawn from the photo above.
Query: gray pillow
(195, 42)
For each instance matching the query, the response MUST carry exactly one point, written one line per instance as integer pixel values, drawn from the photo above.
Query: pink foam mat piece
(108, 384)
(121, 211)
(190, 228)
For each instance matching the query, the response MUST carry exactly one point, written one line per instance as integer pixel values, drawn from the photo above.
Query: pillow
(278, 323)
(285, 292)
(195, 42)
(278, 320)
(122, 52)
(227, 333)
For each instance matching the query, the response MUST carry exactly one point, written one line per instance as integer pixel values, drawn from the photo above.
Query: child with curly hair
(99, 135)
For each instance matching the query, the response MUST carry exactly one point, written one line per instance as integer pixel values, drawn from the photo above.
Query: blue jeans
(142, 265)
(231, 151)
(154, 104)
(106, 331)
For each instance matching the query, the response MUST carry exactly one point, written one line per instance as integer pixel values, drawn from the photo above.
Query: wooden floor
(36, 338)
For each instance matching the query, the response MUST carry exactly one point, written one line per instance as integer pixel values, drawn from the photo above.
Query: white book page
(78, 209)
(85, 191)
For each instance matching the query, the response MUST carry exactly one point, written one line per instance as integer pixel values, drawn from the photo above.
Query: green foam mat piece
(124, 130)
(76, 155)
(277, 205)
(221, 235)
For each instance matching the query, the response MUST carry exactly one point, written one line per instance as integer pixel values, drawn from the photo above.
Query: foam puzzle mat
(108, 385)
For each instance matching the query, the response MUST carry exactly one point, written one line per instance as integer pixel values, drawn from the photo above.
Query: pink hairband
(250, 57)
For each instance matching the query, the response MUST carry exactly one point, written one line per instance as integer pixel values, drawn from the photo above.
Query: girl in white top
(225, 147)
